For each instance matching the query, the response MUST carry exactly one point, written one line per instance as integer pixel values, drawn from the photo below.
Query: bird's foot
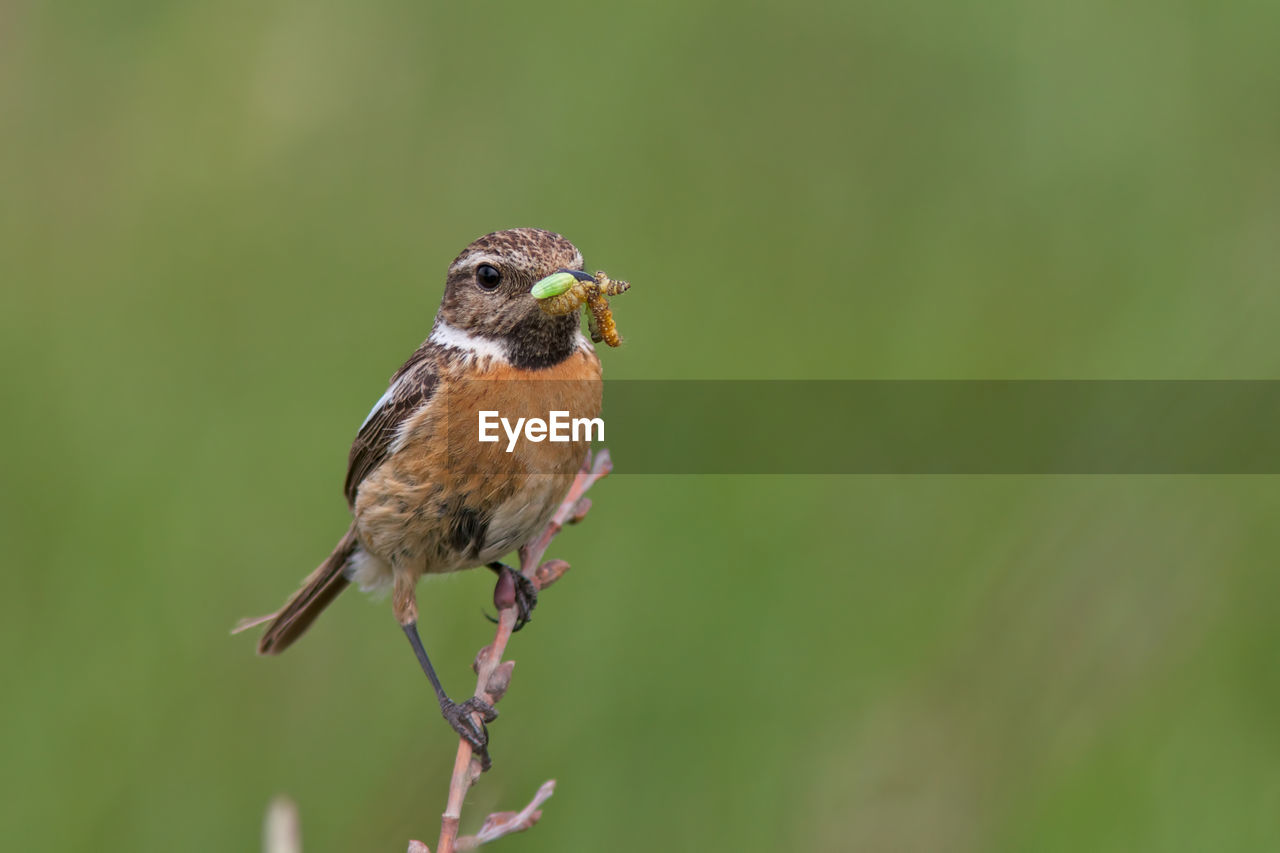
(514, 589)
(475, 732)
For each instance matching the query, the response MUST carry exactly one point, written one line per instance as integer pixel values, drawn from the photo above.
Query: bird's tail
(321, 587)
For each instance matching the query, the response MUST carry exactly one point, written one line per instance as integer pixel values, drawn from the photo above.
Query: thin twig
(499, 824)
(492, 674)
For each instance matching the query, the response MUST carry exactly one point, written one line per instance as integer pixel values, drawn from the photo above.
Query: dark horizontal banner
(920, 427)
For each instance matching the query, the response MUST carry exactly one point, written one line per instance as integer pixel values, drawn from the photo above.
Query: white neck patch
(476, 346)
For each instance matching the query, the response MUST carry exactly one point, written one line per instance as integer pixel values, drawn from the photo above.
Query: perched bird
(427, 496)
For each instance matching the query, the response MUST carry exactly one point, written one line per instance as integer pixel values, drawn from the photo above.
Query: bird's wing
(410, 389)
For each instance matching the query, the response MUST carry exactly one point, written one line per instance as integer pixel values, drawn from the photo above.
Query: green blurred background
(223, 226)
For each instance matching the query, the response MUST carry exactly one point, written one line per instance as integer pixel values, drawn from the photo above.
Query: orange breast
(441, 467)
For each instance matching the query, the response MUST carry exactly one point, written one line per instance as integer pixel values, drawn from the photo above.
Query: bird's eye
(488, 277)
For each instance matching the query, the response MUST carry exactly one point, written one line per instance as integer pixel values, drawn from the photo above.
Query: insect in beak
(559, 282)
(564, 291)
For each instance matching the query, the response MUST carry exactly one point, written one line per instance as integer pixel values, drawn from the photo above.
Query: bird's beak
(559, 282)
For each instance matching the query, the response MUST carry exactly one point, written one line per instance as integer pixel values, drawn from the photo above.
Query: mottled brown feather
(373, 443)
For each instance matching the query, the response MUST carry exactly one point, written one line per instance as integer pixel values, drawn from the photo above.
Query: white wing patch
(382, 401)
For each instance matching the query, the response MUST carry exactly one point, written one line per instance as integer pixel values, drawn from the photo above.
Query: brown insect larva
(564, 294)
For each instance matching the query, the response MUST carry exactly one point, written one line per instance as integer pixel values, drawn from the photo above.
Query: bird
(426, 496)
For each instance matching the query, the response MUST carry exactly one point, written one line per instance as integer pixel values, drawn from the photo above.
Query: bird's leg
(514, 584)
(458, 715)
